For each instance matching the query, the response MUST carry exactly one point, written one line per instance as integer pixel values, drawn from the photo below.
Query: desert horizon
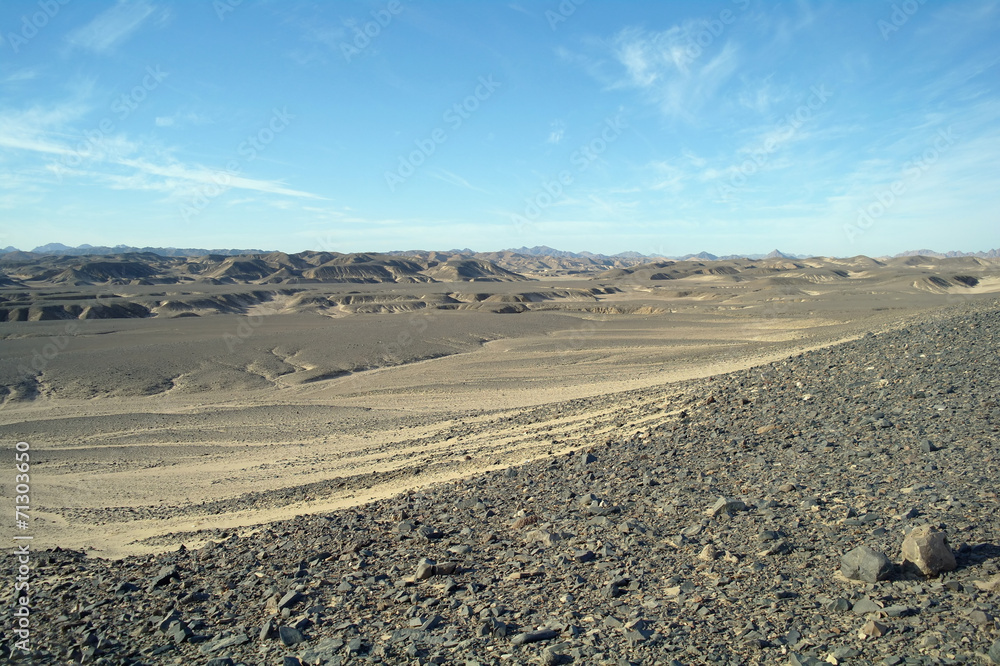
(499, 333)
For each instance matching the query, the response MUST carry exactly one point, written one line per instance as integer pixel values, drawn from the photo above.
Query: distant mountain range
(537, 251)
(991, 254)
(81, 250)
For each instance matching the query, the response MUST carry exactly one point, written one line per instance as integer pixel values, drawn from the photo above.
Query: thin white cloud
(665, 177)
(114, 159)
(454, 179)
(518, 8)
(33, 144)
(39, 129)
(183, 118)
(112, 26)
(25, 74)
(318, 38)
(759, 97)
(201, 175)
(669, 68)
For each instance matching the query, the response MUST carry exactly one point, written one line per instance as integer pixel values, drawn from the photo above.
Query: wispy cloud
(177, 172)
(114, 160)
(38, 129)
(759, 97)
(112, 26)
(665, 176)
(179, 118)
(318, 37)
(668, 67)
(454, 179)
(21, 75)
(518, 8)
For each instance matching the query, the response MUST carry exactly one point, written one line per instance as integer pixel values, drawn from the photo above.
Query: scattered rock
(621, 570)
(291, 598)
(534, 637)
(723, 505)
(991, 585)
(290, 636)
(994, 653)
(926, 549)
(525, 521)
(164, 576)
(980, 618)
(873, 629)
(866, 564)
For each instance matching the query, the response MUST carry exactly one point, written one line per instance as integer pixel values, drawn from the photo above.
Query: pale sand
(102, 463)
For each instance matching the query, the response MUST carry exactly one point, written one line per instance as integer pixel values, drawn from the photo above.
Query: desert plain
(176, 404)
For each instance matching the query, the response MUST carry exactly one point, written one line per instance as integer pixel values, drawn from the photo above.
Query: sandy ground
(143, 429)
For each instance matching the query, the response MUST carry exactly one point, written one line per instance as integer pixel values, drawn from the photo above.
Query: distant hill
(82, 250)
(990, 254)
(545, 251)
(30, 269)
(534, 252)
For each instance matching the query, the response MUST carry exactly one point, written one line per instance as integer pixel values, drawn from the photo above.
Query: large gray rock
(926, 549)
(994, 652)
(867, 564)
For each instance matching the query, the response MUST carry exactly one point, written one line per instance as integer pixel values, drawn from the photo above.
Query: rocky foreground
(715, 533)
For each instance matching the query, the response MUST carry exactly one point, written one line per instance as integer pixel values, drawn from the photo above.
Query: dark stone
(493, 627)
(164, 576)
(290, 636)
(534, 637)
(266, 629)
(179, 632)
(867, 564)
(290, 599)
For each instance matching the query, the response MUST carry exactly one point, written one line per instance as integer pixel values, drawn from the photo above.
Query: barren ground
(143, 428)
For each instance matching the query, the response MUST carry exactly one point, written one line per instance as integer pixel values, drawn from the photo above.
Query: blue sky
(828, 128)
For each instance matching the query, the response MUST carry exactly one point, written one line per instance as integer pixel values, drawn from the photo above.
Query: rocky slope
(709, 530)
